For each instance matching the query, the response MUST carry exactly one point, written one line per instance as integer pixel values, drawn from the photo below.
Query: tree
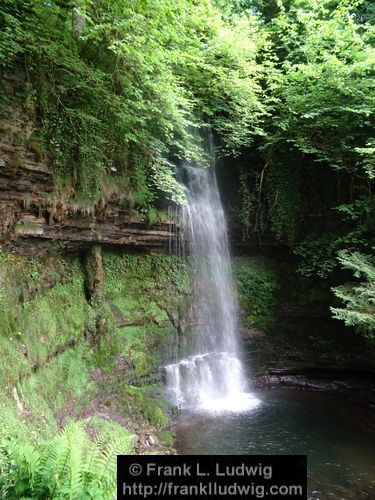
(120, 98)
(358, 297)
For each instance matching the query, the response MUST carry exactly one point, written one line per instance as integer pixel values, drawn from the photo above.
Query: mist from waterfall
(210, 376)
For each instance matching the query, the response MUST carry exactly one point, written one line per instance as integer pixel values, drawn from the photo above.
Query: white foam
(210, 377)
(234, 403)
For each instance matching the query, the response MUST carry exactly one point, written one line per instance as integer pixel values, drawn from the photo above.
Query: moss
(148, 403)
(155, 415)
(28, 228)
(152, 216)
(141, 363)
(106, 353)
(166, 437)
(37, 149)
(45, 313)
(65, 378)
(140, 288)
(258, 286)
(40, 311)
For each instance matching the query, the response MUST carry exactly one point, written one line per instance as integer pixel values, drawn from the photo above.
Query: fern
(76, 458)
(72, 465)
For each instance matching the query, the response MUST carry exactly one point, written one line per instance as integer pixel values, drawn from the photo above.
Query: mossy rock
(141, 363)
(156, 417)
(166, 437)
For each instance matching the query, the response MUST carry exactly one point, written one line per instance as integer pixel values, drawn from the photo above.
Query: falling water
(211, 376)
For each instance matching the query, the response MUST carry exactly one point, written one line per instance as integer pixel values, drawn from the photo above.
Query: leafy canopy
(121, 87)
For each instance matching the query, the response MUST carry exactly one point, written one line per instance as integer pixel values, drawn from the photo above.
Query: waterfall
(210, 376)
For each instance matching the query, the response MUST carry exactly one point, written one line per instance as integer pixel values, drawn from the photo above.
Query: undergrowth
(257, 286)
(77, 463)
(50, 337)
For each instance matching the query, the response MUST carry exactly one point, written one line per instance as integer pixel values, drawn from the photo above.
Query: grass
(45, 392)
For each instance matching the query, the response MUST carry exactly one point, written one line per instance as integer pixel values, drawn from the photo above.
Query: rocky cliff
(33, 217)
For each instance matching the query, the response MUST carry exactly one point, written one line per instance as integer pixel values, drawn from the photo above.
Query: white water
(211, 376)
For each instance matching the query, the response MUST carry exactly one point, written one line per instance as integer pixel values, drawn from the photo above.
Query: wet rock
(252, 333)
(33, 219)
(142, 442)
(355, 385)
(151, 440)
(117, 314)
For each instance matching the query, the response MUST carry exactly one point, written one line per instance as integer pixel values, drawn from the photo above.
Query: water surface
(333, 434)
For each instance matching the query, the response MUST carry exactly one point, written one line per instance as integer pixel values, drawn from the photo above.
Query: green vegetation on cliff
(309, 178)
(121, 90)
(72, 359)
(257, 286)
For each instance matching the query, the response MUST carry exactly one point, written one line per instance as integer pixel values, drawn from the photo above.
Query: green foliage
(224, 77)
(319, 255)
(139, 277)
(257, 286)
(319, 251)
(148, 403)
(358, 297)
(43, 307)
(46, 391)
(50, 377)
(140, 288)
(283, 195)
(50, 364)
(309, 175)
(120, 88)
(321, 91)
(71, 465)
(166, 437)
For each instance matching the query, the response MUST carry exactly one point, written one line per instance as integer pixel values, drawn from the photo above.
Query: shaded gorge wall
(82, 338)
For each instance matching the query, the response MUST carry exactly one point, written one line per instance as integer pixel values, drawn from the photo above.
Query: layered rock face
(32, 216)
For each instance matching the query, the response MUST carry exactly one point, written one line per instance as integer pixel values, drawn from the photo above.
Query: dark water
(334, 435)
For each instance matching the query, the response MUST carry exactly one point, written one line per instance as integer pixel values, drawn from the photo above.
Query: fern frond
(71, 466)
